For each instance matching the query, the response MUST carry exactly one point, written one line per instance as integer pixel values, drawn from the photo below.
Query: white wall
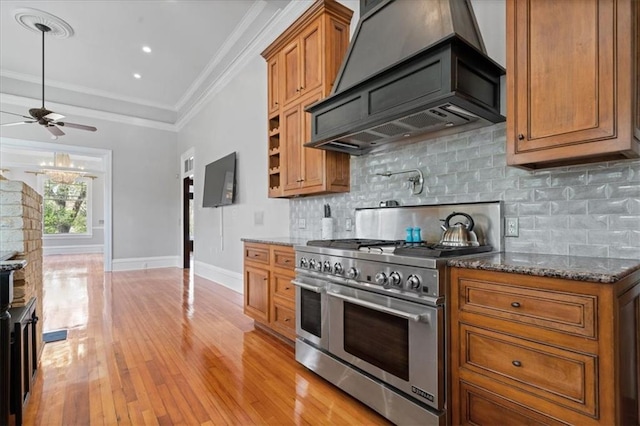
(235, 120)
(145, 183)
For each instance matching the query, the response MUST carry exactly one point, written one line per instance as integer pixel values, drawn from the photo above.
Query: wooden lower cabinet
(537, 350)
(269, 295)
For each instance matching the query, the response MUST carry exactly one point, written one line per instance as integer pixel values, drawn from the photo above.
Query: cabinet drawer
(282, 286)
(284, 320)
(479, 407)
(563, 312)
(284, 258)
(553, 374)
(256, 253)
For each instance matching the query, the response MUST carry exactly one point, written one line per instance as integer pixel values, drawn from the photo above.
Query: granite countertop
(12, 265)
(279, 241)
(591, 269)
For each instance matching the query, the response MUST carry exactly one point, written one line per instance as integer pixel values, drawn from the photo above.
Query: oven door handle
(380, 308)
(309, 287)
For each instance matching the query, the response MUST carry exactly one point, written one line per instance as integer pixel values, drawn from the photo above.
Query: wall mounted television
(220, 182)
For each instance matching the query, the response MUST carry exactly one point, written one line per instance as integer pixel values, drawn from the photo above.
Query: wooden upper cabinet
(571, 83)
(273, 84)
(302, 58)
(309, 54)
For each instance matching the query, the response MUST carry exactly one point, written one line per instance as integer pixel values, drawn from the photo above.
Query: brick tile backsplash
(585, 210)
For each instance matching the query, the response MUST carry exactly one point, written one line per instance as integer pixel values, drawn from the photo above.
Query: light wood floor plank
(162, 347)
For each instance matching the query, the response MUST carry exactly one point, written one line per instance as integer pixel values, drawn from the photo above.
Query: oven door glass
(397, 341)
(311, 310)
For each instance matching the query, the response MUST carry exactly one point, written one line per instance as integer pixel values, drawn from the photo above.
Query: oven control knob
(327, 266)
(381, 278)
(352, 273)
(304, 263)
(319, 266)
(413, 281)
(395, 279)
(338, 268)
(312, 264)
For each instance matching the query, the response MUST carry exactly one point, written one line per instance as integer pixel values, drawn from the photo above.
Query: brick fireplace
(21, 232)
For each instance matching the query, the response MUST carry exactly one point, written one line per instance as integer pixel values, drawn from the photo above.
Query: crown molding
(84, 90)
(270, 31)
(6, 98)
(238, 31)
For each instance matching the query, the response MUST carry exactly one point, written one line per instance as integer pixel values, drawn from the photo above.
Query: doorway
(187, 227)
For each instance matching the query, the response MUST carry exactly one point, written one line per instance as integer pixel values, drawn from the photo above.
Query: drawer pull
(287, 288)
(255, 255)
(287, 260)
(287, 319)
(515, 304)
(516, 363)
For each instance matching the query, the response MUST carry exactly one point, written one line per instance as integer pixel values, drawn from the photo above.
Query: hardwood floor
(160, 347)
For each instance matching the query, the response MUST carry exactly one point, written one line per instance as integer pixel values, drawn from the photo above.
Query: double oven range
(371, 311)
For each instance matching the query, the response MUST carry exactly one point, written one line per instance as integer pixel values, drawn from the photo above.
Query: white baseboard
(145, 263)
(76, 249)
(225, 277)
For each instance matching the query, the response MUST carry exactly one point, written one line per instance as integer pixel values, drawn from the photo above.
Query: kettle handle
(469, 226)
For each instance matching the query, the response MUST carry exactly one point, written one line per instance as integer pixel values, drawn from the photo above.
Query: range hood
(414, 69)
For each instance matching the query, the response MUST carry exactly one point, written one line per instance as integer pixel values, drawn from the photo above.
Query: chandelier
(62, 161)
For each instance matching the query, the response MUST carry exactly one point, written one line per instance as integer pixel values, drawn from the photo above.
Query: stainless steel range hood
(414, 69)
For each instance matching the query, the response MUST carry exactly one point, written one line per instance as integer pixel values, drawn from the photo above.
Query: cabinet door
(256, 293)
(290, 141)
(273, 82)
(313, 160)
(311, 58)
(561, 79)
(291, 72)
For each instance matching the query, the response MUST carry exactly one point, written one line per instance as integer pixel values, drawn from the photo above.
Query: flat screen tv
(220, 182)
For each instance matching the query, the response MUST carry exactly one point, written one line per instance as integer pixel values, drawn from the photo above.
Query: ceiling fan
(49, 119)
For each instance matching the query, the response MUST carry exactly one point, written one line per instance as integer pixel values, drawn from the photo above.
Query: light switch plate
(302, 223)
(258, 217)
(511, 228)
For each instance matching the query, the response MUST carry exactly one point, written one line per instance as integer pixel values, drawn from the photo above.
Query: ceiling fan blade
(53, 116)
(76, 126)
(19, 115)
(17, 123)
(54, 130)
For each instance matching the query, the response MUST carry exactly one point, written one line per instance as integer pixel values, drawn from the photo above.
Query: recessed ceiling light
(146, 49)
(137, 76)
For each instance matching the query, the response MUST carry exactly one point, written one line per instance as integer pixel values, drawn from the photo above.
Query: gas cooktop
(401, 248)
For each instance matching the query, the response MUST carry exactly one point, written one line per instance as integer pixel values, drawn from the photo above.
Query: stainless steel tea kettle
(460, 234)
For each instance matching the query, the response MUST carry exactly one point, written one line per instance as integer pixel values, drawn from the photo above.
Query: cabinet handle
(276, 103)
(287, 261)
(301, 87)
(520, 136)
(516, 363)
(255, 255)
(515, 304)
(287, 319)
(287, 288)
(264, 279)
(300, 180)
(297, 90)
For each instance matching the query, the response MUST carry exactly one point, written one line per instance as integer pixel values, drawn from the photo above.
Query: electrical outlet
(348, 225)
(302, 223)
(511, 227)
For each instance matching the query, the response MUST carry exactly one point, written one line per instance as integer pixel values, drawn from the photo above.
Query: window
(67, 208)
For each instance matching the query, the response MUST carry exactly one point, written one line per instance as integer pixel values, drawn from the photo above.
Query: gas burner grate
(425, 249)
(352, 244)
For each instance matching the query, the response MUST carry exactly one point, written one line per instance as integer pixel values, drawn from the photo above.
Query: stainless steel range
(370, 311)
